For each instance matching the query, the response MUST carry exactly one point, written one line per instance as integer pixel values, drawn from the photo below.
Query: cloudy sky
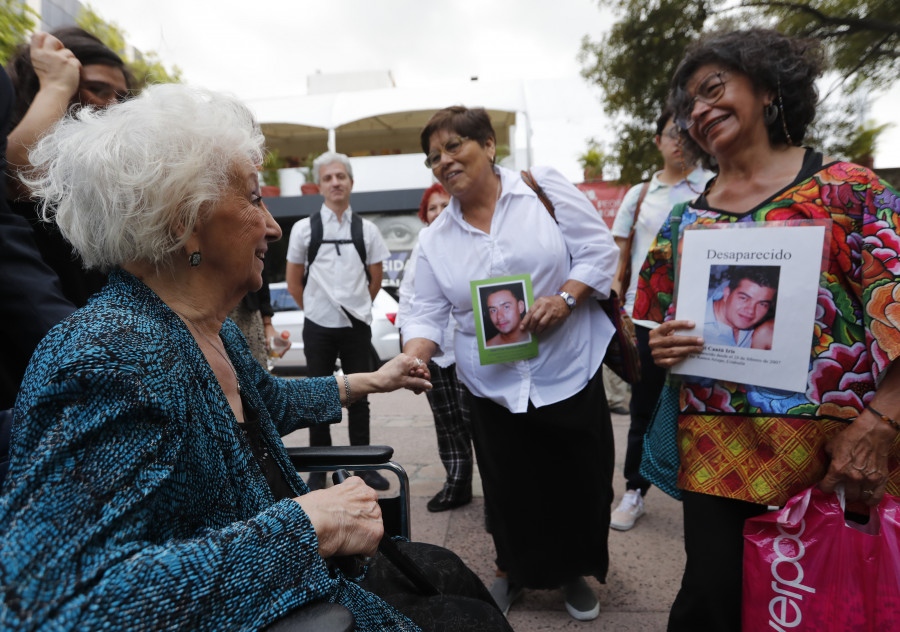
(268, 48)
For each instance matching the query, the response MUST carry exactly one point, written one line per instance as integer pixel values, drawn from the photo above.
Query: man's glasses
(710, 91)
(451, 147)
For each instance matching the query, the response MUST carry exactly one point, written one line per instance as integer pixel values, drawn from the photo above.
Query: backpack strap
(316, 233)
(356, 235)
(316, 230)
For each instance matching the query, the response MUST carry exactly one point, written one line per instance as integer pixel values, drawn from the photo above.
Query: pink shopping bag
(806, 568)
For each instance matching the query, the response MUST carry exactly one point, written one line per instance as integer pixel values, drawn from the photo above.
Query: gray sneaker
(581, 602)
(505, 593)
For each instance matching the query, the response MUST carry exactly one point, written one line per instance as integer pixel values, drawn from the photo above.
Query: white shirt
(336, 281)
(655, 209)
(719, 333)
(524, 239)
(445, 356)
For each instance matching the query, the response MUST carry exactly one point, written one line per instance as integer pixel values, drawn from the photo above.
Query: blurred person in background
(447, 399)
(679, 180)
(333, 272)
(31, 301)
(56, 71)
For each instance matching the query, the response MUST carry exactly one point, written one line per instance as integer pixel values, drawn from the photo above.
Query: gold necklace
(221, 353)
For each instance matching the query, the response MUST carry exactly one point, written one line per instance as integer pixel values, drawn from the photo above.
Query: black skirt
(547, 476)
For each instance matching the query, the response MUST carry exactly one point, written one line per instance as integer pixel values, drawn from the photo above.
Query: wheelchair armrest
(340, 455)
(395, 509)
(315, 617)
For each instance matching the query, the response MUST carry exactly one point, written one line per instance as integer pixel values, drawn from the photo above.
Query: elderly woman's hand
(859, 459)
(403, 371)
(55, 65)
(668, 348)
(346, 517)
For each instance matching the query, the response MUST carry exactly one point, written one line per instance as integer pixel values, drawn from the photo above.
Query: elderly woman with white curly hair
(149, 487)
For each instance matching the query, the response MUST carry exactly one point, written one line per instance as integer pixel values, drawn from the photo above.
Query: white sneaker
(629, 510)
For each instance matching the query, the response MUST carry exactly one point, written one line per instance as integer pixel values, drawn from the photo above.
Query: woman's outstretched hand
(346, 518)
(668, 348)
(403, 371)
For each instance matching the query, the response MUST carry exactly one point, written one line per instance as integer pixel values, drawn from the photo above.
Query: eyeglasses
(710, 91)
(451, 148)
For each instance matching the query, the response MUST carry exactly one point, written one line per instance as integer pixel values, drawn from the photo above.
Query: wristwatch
(568, 298)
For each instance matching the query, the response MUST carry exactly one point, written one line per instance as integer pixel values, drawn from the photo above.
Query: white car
(385, 335)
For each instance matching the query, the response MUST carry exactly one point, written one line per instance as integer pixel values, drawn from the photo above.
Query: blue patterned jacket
(133, 499)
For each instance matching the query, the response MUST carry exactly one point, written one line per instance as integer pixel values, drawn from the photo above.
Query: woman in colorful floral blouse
(745, 99)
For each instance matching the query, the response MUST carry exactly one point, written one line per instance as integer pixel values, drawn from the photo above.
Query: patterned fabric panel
(763, 460)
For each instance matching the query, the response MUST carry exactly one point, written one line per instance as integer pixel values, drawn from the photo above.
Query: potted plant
(271, 182)
(310, 187)
(593, 160)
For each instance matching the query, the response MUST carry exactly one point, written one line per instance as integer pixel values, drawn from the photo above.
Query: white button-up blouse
(524, 239)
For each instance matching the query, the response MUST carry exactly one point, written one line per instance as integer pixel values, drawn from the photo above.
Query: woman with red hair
(447, 399)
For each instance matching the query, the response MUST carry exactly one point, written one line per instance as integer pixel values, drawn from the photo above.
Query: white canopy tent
(387, 121)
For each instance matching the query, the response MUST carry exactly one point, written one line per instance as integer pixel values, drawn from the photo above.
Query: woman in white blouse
(541, 426)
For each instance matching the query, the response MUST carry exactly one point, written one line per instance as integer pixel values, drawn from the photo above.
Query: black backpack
(315, 241)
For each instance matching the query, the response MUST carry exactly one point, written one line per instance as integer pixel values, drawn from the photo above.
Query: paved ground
(646, 562)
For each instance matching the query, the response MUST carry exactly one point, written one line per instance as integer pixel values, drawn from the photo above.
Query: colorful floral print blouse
(764, 445)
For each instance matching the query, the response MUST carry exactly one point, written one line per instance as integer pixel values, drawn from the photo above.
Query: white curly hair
(128, 183)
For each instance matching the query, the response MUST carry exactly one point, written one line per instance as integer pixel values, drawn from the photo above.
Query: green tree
(146, 67)
(17, 20)
(862, 36)
(634, 62)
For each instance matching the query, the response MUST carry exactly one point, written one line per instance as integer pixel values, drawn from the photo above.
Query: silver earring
(195, 259)
(770, 113)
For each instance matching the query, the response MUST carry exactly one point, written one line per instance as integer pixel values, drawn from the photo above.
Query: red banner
(605, 196)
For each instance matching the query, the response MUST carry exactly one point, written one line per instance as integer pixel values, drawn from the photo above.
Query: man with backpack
(334, 271)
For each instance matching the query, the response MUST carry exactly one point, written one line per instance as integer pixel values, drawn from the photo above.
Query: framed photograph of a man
(499, 305)
(751, 290)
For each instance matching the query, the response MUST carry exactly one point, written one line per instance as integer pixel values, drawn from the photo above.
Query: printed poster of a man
(740, 308)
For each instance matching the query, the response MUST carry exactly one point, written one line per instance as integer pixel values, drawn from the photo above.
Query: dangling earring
(770, 113)
(787, 134)
(195, 259)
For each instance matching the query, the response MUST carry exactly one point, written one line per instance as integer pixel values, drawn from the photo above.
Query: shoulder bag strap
(532, 183)
(625, 278)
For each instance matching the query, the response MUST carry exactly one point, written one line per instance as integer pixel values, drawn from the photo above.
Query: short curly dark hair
(772, 61)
